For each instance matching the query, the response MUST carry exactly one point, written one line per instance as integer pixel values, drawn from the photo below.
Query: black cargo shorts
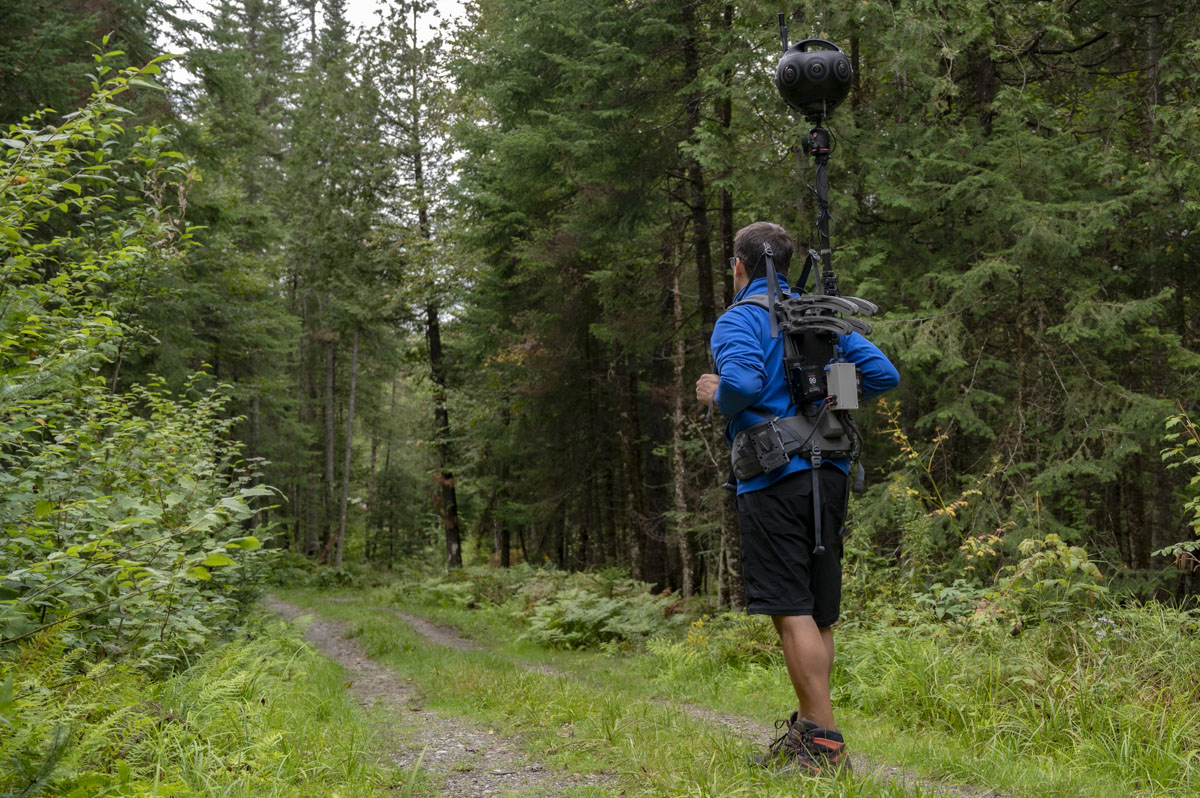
(781, 574)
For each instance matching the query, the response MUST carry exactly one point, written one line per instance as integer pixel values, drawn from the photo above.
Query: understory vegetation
(1100, 701)
(260, 715)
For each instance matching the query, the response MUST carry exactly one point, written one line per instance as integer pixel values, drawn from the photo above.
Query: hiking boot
(805, 747)
(828, 748)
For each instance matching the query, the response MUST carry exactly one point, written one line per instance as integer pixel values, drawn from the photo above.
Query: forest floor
(477, 721)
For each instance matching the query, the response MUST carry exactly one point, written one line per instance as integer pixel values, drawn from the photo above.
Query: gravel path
(746, 728)
(472, 761)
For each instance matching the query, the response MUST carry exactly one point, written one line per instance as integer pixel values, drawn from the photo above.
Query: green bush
(121, 513)
(579, 618)
(732, 640)
(569, 610)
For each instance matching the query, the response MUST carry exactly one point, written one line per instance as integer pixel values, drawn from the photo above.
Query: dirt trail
(746, 728)
(472, 761)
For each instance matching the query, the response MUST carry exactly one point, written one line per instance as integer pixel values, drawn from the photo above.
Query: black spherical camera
(811, 81)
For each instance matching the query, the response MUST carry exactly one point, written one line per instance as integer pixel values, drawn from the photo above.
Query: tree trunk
(630, 436)
(448, 504)
(678, 500)
(724, 198)
(448, 501)
(505, 545)
(345, 504)
(330, 480)
(1154, 54)
(697, 191)
(731, 573)
(372, 496)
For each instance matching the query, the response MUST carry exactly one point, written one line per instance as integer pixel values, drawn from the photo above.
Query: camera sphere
(813, 81)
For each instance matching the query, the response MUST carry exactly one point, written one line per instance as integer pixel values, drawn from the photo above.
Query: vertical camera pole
(813, 82)
(818, 145)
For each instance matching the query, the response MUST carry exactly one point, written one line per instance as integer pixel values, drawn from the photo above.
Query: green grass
(261, 716)
(1047, 714)
(598, 720)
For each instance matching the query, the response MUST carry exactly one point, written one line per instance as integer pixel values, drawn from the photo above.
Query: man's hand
(706, 388)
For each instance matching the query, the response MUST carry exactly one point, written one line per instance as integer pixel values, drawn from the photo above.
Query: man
(784, 577)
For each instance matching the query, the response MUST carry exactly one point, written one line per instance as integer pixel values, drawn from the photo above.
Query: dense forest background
(455, 278)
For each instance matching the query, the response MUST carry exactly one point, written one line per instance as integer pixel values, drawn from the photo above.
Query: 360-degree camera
(811, 81)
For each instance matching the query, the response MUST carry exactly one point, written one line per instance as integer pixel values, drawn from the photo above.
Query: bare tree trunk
(679, 502)
(387, 448)
(505, 545)
(369, 540)
(722, 580)
(342, 511)
(630, 434)
(698, 193)
(725, 199)
(1154, 54)
(449, 498)
(330, 478)
(732, 567)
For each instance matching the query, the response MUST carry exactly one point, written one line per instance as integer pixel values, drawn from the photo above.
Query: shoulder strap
(755, 299)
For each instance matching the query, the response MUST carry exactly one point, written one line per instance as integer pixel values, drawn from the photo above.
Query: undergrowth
(1035, 666)
(263, 715)
(588, 609)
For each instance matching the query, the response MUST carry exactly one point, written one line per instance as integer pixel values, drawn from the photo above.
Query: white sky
(361, 13)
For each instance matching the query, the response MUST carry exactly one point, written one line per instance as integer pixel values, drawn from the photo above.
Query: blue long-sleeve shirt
(750, 364)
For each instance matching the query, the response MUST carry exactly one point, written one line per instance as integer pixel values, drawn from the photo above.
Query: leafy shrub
(121, 513)
(1053, 582)
(449, 592)
(578, 618)
(1183, 451)
(571, 610)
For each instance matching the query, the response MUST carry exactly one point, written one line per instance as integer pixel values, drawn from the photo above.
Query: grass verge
(602, 722)
(263, 716)
(961, 711)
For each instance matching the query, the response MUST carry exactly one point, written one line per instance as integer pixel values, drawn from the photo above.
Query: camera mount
(814, 82)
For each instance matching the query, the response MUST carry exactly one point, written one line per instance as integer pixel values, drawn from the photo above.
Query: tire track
(472, 761)
(746, 728)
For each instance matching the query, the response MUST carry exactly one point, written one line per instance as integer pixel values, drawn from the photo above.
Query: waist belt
(771, 444)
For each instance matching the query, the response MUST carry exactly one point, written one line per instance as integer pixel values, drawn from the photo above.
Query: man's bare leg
(808, 652)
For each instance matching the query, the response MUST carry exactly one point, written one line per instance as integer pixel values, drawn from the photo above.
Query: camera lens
(816, 70)
(842, 70)
(789, 75)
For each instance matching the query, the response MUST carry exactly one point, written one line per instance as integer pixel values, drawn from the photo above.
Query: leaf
(42, 509)
(199, 572)
(145, 84)
(8, 699)
(218, 558)
(249, 543)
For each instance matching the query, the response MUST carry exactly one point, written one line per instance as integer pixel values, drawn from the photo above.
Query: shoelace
(782, 723)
